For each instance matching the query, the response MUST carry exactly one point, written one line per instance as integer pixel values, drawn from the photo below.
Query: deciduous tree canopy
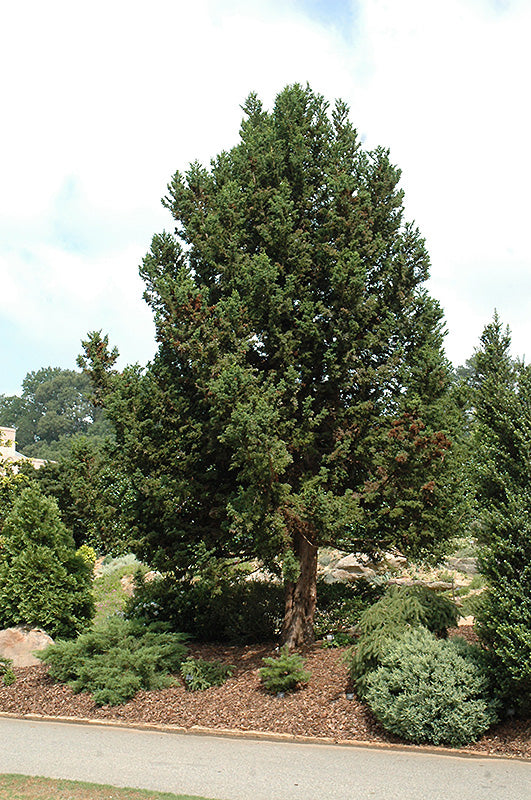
(54, 405)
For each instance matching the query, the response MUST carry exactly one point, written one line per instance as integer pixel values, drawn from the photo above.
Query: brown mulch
(320, 709)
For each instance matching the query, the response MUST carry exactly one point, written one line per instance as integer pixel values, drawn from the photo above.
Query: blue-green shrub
(115, 660)
(400, 609)
(431, 690)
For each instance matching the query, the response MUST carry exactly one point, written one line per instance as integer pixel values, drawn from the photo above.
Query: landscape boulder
(21, 642)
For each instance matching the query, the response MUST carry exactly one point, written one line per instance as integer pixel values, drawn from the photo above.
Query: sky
(103, 101)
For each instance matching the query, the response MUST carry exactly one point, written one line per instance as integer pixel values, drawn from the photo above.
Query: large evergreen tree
(502, 447)
(299, 393)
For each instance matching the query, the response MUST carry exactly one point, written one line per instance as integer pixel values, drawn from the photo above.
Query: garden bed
(321, 709)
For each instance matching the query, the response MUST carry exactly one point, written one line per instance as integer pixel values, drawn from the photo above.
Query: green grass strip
(24, 787)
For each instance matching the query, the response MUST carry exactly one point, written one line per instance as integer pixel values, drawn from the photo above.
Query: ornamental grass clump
(285, 673)
(116, 660)
(428, 690)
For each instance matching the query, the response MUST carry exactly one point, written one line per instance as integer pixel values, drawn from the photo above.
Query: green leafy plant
(199, 674)
(431, 690)
(285, 673)
(115, 660)
(88, 554)
(410, 605)
(500, 464)
(8, 676)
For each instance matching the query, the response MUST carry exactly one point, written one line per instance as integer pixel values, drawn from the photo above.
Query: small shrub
(88, 554)
(115, 660)
(431, 690)
(43, 582)
(8, 676)
(199, 674)
(285, 673)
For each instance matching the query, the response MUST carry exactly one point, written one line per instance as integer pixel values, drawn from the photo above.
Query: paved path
(247, 769)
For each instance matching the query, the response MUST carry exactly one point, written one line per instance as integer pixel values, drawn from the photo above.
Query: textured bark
(301, 596)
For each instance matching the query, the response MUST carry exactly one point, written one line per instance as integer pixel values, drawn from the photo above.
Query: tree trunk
(301, 596)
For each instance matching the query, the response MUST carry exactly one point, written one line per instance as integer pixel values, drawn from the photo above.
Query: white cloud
(105, 100)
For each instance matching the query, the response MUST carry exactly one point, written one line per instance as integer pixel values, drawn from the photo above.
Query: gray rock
(467, 565)
(21, 642)
(352, 563)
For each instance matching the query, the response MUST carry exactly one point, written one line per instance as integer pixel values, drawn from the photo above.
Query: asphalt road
(250, 769)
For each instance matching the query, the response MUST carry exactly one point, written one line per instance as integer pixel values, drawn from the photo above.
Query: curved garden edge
(267, 736)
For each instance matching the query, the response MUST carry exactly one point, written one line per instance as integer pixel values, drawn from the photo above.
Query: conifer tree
(299, 393)
(502, 445)
(43, 582)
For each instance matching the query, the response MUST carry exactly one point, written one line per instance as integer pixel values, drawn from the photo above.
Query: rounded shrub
(428, 690)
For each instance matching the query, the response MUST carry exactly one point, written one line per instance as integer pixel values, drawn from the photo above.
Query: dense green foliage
(232, 609)
(299, 395)
(502, 475)
(340, 605)
(400, 609)
(410, 606)
(53, 407)
(92, 492)
(284, 673)
(6, 671)
(12, 483)
(427, 690)
(199, 674)
(116, 660)
(43, 582)
(212, 608)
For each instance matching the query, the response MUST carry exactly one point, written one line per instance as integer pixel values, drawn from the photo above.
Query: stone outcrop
(21, 642)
